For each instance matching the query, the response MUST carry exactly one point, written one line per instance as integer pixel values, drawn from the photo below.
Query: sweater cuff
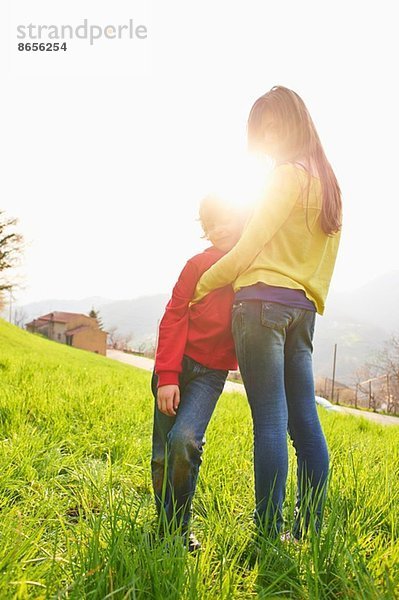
(168, 378)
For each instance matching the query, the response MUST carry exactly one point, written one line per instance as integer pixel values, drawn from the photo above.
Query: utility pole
(333, 376)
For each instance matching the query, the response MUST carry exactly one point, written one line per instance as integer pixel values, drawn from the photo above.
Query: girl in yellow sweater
(281, 270)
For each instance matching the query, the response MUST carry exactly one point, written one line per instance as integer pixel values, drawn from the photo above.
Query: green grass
(77, 517)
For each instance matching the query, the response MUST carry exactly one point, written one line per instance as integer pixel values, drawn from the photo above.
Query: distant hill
(375, 303)
(357, 343)
(139, 316)
(358, 322)
(42, 307)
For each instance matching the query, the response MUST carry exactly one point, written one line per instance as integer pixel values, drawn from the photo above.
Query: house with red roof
(73, 329)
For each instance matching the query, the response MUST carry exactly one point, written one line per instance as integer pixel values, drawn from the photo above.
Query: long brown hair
(280, 124)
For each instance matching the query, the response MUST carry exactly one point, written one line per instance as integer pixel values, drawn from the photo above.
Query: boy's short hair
(211, 208)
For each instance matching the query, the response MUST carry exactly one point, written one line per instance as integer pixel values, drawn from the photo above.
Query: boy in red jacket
(195, 352)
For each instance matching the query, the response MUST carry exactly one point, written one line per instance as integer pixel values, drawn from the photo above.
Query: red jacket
(201, 331)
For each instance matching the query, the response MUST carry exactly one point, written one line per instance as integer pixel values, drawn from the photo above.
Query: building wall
(93, 340)
(51, 329)
(56, 332)
(79, 321)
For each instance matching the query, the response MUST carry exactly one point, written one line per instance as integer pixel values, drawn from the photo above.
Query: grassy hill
(77, 517)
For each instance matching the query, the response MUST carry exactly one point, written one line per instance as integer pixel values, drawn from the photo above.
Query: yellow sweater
(279, 245)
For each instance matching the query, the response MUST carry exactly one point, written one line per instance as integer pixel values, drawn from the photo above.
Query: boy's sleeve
(275, 207)
(173, 328)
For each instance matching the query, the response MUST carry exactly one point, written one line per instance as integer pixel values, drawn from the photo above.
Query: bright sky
(105, 172)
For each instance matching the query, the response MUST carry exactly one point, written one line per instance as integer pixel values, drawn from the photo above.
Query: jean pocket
(275, 316)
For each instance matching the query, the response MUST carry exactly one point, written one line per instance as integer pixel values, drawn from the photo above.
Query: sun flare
(241, 179)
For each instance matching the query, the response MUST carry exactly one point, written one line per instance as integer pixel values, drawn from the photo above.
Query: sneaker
(193, 545)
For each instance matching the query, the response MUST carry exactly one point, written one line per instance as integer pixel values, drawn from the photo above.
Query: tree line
(11, 247)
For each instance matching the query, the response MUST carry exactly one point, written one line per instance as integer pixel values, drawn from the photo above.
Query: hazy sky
(105, 171)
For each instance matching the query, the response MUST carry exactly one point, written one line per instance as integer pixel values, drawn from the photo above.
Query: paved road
(230, 386)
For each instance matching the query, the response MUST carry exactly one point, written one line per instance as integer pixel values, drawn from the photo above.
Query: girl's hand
(168, 399)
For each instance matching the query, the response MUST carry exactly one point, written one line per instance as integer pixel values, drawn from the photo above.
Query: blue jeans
(274, 350)
(177, 442)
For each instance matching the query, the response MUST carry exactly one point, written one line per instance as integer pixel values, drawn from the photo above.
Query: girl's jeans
(177, 442)
(274, 349)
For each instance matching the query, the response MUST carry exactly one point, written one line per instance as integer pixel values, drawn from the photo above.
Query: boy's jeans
(179, 440)
(274, 350)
